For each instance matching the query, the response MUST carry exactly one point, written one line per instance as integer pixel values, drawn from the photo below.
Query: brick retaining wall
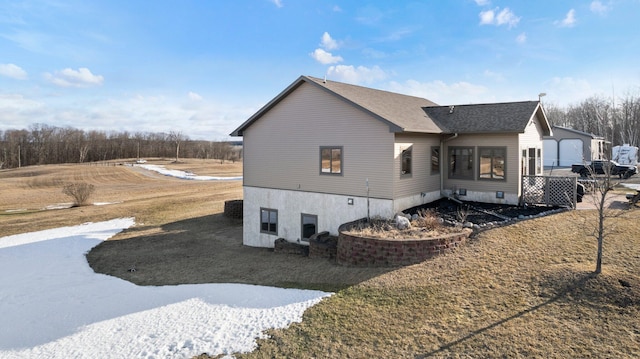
(233, 208)
(370, 252)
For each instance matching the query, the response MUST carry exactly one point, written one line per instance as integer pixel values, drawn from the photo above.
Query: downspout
(442, 141)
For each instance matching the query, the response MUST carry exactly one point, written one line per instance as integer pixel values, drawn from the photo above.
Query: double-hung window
(331, 160)
(492, 163)
(269, 221)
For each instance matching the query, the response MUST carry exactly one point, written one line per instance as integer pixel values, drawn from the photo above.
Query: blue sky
(203, 67)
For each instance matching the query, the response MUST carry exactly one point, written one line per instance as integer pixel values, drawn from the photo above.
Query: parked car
(604, 167)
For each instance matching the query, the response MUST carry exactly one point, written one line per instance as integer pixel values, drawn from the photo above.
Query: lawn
(525, 290)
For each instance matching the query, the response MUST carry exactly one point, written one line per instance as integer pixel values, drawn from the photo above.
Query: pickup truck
(601, 167)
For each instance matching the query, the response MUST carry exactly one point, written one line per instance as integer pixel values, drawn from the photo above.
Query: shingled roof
(507, 117)
(400, 112)
(403, 113)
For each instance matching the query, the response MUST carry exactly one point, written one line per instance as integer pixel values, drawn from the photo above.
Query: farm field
(525, 290)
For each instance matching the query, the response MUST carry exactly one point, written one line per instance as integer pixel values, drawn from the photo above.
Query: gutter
(442, 141)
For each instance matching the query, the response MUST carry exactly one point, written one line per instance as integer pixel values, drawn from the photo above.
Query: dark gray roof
(403, 113)
(507, 117)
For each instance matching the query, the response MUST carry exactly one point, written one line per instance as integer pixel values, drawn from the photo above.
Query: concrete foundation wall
(332, 211)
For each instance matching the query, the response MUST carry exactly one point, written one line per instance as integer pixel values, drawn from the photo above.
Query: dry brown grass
(152, 199)
(427, 225)
(525, 290)
(180, 234)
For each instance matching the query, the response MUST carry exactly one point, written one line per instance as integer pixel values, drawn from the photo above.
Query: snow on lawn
(53, 305)
(184, 174)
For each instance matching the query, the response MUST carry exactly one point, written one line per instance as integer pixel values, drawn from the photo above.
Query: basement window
(269, 221)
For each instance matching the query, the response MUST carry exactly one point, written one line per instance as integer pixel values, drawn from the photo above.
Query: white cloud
(356, 75)
(325, 58)
(442, 93)
(13, 71)
(206, 120)
(598, 7)
(482, 2)
(72, 78)
(486, 17)
(277, 3)
(566, 90)
(337, 8)
(194, 96)
(328, 43)
(493, 75)
(569, 20)
(522, 38)
(504, 17)
(397, 35)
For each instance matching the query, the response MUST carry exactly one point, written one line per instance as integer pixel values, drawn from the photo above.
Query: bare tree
(80, 192)
(177, 137)
(602, 185)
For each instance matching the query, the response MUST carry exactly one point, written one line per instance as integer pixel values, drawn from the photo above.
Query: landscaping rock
(402, 222)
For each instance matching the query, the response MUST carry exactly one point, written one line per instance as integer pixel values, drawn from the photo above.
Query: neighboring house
(568, 146)
(323, 153)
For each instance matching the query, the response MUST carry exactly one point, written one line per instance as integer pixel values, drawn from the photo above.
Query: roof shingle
(405, 113)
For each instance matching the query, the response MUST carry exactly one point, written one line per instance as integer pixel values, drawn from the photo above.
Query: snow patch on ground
(184, 174)
(53, 305)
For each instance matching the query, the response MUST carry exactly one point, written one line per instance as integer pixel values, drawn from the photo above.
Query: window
(435, 160)
(492, 162)
(461, 162)
(331, 160)
(405, 168)
(269, 221)
(309, 224)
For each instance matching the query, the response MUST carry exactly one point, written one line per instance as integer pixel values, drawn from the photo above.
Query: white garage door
(550, 149)
(570, 152)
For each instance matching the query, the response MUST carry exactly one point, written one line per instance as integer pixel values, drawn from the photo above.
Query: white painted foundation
(332, 211)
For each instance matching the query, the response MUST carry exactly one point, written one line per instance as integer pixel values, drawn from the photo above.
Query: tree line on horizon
(44, 144)
(617, 122)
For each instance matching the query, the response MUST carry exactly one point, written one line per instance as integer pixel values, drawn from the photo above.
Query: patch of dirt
(482, 214)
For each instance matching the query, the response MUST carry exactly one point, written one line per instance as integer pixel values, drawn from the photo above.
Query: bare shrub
(427, 225)
(80, 192)
(427, 219)
(462, 213)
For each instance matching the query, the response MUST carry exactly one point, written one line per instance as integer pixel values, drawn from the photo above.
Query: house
(323, 153)
(568, 146)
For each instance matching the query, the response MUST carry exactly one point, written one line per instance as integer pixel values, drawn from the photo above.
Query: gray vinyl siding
(421, 179)
(283, 147)
(509, 141)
